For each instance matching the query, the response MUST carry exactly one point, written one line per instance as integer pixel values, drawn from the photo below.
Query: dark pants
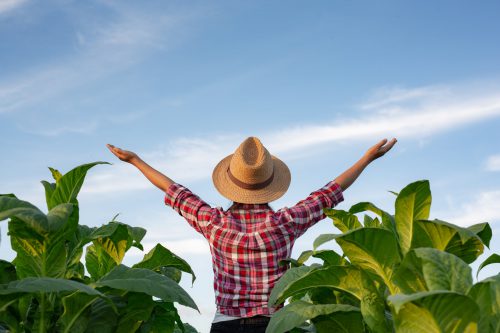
(255, 324)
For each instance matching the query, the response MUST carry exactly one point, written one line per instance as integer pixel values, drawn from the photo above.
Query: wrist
(134, 160)
(366, 159)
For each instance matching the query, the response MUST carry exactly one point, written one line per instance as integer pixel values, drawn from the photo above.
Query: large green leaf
(146, 281)
(46, 285)
(98, 262)
(409, 277)
(294, 314)
(24, 211)
(29, 248)
(138, 310)
(434, 312)
(343, 220)
(372, 249)
(58, 217)
(339, 322)
(413, 203)
(468, 251)
(279, 292)
(54, 260)
(160, 256)
(116, 239)
(486, 293)
(164, 319)
(426, 269)
(448, 237)
(69, 185)
(444, 271)
(343, 278)
(39, 239)
(76, 315)
(103, 317)
(44, 309)
(36, 256)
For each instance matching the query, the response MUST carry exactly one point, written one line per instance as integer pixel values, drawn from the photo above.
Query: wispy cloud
(9, 5)
(388, 96)
(193, 159)
(122, 40)
(72, 123)
(81, 128)
(483, 208)
(493, 163)
(397, 115)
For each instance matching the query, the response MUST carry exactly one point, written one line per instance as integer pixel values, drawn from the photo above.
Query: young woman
(248, 240)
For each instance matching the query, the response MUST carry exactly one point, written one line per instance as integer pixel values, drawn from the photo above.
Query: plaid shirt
(247, 243)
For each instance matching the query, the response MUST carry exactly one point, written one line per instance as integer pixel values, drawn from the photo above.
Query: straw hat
(251, 174)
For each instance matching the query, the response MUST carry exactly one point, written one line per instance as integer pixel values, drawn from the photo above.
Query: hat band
(248, 186)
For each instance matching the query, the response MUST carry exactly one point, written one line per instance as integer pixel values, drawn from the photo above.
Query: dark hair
(234, 205)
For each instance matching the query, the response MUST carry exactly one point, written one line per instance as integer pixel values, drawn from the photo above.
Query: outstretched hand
(124, 155)
(350, 175)
(380, 149)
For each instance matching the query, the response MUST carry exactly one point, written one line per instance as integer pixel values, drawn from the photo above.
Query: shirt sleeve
(196, 212)
(310, 210)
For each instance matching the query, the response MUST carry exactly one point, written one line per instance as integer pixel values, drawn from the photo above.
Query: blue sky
(182, 83)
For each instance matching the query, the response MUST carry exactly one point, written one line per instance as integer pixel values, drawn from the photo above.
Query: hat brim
(273, 191)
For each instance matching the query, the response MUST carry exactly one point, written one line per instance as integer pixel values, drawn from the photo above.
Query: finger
(389, 145)
(381, 143)
(111, 148)
(392, 143)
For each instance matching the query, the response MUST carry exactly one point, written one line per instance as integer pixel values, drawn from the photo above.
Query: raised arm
(154, 176)
(350, 175)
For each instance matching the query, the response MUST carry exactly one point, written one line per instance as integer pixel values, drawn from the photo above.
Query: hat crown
(251, 162)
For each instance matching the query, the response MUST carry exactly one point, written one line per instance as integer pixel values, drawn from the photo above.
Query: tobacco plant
(397, 273)
(46, 288)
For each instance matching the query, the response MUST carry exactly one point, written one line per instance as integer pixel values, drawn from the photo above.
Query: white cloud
(390, 95)
(9, 5)
(493, 163)
(193, 159)
(425, 116)
(483, 208)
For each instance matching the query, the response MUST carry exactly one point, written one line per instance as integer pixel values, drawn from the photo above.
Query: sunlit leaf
(413, 203)
(343, 220)
(160, 256)
(434, 312)
(298, 312)
(146, 281)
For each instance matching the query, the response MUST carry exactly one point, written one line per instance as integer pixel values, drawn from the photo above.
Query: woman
(248, 240)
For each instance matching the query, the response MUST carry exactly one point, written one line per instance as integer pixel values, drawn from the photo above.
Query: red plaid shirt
(248, 242)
